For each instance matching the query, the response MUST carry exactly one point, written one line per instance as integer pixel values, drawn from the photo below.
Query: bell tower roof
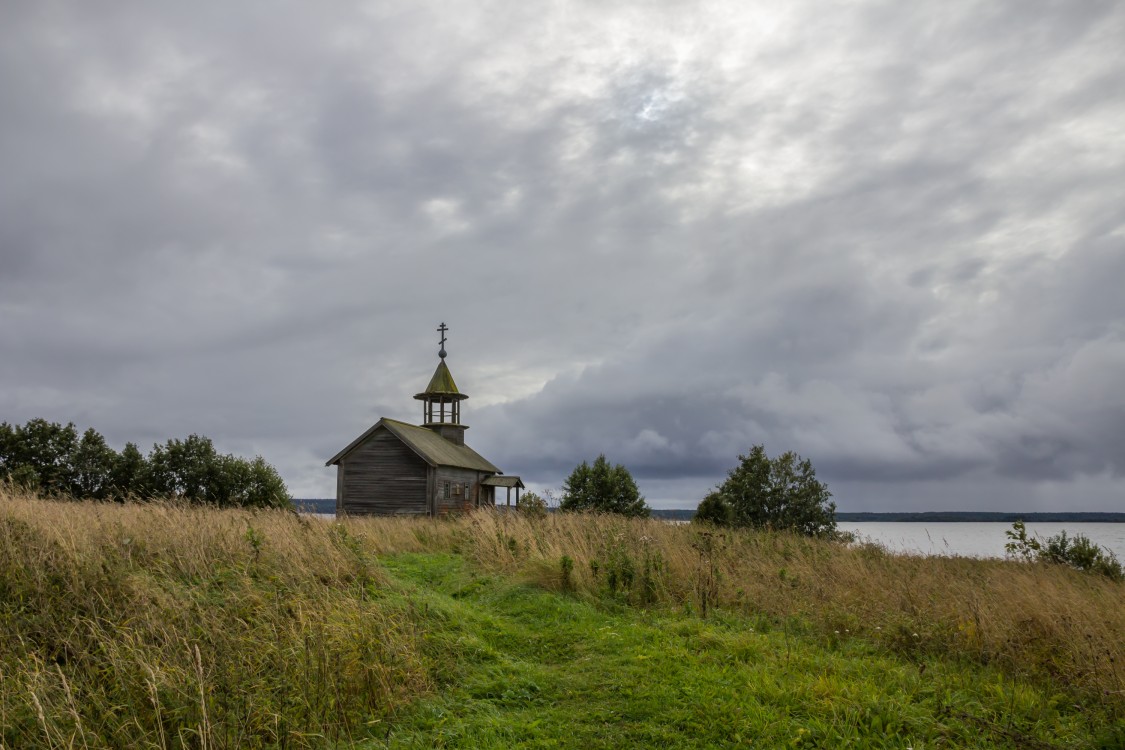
(441, 384)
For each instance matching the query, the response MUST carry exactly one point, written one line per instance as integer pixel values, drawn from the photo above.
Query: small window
(447, 490)
(466, 490)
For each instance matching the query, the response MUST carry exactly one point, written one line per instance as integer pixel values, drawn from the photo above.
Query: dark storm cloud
(865, 410)
(889, 237)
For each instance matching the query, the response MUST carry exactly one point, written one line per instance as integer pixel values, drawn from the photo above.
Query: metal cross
(442, 329)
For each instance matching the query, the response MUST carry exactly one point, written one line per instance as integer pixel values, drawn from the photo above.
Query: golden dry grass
(166, 625)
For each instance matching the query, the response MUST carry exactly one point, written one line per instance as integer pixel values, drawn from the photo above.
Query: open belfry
(397, 468)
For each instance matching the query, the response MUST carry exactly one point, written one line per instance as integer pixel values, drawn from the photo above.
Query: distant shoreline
(328, 505)
(985, 517)
(947, 517)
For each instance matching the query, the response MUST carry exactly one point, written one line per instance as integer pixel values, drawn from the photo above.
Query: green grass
(173, 626)
(517, 666)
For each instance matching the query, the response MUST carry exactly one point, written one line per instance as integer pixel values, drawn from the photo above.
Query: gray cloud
(889, 237)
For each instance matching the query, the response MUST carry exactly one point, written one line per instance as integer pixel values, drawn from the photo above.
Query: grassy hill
(172, 626)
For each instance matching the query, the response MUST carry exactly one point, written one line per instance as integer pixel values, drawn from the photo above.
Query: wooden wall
(382, 476)
(458, 478)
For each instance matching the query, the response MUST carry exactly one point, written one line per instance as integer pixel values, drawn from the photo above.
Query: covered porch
(507, 482)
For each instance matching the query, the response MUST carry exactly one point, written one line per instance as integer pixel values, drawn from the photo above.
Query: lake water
(977, 539)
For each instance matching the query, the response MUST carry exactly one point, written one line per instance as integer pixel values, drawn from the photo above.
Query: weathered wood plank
(383, 476)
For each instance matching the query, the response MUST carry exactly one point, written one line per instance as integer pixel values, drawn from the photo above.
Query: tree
(603, 488)
(779, 493)
(7, 445)
(93, 466)
(129, 476)
(193, 470)
(184, 468)
(48, 457)
(41, 456)
(263, 486)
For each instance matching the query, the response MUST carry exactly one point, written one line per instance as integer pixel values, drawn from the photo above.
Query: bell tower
(441, 401)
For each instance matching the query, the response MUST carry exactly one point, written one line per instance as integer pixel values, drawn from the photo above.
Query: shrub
(1077, 552)
(533, 505)
(714, 509)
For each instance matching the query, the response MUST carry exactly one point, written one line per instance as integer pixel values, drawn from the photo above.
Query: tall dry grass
(157, 625)
(1044, 621)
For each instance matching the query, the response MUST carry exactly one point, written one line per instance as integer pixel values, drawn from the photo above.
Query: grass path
(521, 667)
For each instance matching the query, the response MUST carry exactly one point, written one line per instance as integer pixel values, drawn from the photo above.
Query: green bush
(714, 509)
(1077, 552)
(533, 505)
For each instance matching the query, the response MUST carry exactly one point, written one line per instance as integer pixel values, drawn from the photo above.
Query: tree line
(779, 493)
(53, 459)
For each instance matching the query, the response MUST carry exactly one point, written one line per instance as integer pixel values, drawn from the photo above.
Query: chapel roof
(429, 445)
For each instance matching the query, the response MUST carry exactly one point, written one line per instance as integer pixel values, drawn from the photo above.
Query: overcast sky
(889, 236)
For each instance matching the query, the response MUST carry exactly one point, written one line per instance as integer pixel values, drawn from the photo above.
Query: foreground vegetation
(180, 626)
(531, 668)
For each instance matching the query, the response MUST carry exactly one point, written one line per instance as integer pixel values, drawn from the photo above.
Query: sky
(887, 236)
